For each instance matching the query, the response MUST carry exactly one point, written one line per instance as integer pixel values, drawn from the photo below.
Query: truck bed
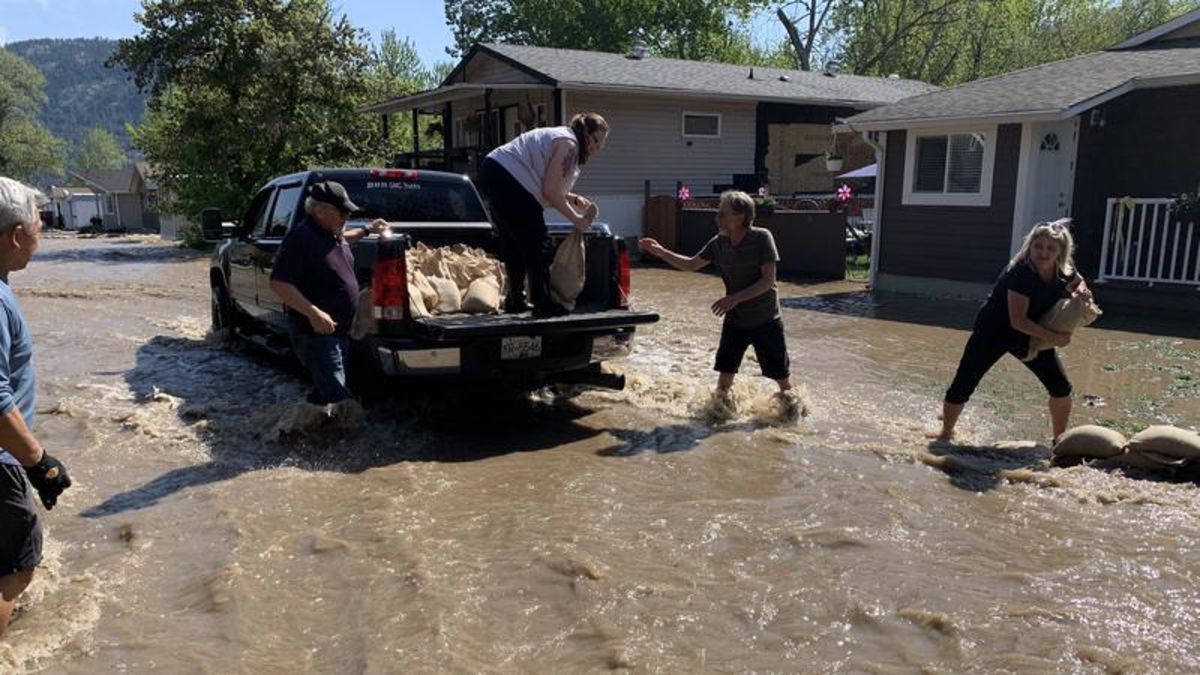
(465, 326)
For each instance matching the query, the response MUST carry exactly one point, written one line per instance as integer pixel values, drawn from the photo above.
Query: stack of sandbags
(1066, 316)
(1089, 441)
(1162, 447)
(1156, 448)
(453, 279)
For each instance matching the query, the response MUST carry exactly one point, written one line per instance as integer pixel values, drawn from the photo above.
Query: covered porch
(474, 118)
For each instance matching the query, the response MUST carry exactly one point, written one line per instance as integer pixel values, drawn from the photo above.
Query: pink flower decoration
(844, 193)
(684, 193)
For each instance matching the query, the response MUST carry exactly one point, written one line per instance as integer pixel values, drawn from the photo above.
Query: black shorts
(20, 525)
(769, 346)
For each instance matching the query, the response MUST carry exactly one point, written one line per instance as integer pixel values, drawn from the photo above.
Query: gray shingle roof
(110, 180)
(575, 67)
(1051, 87)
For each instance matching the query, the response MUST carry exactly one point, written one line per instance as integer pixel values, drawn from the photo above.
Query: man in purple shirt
(314, 277)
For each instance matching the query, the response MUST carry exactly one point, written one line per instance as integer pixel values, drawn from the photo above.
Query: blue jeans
(325, 357)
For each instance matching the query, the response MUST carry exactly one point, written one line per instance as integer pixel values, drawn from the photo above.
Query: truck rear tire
(223, 317)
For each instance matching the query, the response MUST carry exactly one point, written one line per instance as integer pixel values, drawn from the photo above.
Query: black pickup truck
(437, 209)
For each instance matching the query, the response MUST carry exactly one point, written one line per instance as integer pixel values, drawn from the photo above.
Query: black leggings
(982, 352)
(521, 223)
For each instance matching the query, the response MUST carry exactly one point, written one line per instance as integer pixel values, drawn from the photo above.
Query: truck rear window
(416, 201)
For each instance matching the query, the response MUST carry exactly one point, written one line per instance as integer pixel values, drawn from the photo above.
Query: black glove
(49, 477)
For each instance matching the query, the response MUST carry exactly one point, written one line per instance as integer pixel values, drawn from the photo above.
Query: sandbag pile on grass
(1162, 447)
(1159, 447)
(453, 279)
(1089, 441)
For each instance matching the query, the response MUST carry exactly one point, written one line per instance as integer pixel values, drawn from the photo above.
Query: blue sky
(423, 21)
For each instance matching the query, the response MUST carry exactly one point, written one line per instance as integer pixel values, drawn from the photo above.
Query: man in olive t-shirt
(747, 257)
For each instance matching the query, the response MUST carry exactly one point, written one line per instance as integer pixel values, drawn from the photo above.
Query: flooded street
(209, 530)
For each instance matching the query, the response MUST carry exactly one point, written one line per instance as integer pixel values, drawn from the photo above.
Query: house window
(110, 205)
(949, 168)
(539, 115)
(701, 125)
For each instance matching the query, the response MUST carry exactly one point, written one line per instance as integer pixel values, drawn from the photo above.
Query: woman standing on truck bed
(519, 179)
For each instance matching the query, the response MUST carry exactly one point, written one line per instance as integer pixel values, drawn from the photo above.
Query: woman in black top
(1041, 273)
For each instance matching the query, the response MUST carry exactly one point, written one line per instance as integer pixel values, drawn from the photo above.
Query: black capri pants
(983, 351)
(521, 223)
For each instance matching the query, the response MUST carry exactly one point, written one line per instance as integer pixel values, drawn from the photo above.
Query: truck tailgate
(466, 326)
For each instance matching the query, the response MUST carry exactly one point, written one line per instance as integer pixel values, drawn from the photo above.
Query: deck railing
(1144, 241)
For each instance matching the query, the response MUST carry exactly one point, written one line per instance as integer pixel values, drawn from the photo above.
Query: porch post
(558, 108)
(486, 131)
(416, 115)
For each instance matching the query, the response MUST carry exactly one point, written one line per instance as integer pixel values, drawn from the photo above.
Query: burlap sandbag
(1066, 316)
(1089, 440)
(483, 296)
(1168, 441)
(364, 315)
(449, 297)
(418, 307)
(428, 296)
(568, 271)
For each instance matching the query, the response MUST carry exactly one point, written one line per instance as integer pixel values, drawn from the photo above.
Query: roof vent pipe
(751, 75)
(638, 50)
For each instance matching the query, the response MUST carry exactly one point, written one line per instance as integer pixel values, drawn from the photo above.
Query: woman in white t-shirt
(519, 180)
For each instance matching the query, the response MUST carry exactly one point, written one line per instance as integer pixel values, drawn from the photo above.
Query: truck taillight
(389, 282)
(402, 174)
(623, 279)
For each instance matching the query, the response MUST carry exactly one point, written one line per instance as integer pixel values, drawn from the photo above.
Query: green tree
(99, 150)
(947, 42)
(685, 29)
(394, 70)
(27, 149)
(244, 91)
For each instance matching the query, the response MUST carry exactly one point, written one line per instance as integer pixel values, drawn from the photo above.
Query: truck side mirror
(212, 227)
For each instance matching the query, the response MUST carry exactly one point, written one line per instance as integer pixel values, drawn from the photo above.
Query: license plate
(520, 348)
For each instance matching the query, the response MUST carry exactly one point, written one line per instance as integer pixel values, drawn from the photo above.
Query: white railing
(1143, 241)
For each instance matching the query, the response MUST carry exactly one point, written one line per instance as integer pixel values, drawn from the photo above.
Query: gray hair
(311, 205)
(18, 203)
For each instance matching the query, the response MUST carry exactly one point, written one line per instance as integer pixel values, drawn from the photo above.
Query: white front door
(1052, 171)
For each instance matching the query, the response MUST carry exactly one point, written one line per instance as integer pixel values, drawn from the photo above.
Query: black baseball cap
(332, 193)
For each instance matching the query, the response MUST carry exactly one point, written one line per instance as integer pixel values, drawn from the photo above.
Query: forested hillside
(81, 92)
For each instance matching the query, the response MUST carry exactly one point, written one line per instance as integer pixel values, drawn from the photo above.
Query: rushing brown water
(217, 527)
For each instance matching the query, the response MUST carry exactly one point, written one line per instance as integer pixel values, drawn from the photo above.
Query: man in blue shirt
(21, 455)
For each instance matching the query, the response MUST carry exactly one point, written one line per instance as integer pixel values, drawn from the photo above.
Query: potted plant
(833, 161)
(764, 205)
(1187, 207)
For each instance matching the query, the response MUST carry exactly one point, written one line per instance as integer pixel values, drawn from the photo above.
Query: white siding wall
(646, 142)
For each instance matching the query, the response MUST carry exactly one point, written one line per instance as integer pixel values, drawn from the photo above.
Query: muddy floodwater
(214, 528)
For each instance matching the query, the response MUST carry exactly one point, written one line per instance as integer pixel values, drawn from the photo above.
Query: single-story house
(705, 125)
(73, 207)
(128, 198)
(1101, 138)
